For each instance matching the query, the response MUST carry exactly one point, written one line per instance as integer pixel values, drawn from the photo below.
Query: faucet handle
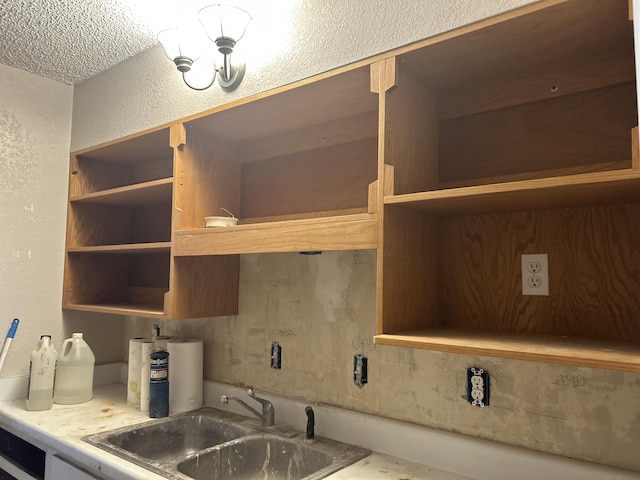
(311, 422)
(266, 404)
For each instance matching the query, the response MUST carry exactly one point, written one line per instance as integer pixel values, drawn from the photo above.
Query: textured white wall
(35, 127)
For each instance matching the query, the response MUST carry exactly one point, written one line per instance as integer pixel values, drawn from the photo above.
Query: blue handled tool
(7, 341)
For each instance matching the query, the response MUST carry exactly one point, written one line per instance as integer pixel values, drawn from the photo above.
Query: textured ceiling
(71, 40)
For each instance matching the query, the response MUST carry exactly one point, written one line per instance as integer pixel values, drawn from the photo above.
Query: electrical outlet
(535, 274)
(478, 387)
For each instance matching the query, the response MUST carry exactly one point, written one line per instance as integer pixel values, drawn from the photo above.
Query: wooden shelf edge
(120, 309)
(553, 192)
(334, 215)
(156, 247)
(139, 193)
(536, 348)
(349, 232)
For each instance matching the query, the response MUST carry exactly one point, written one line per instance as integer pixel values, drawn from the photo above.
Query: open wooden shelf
(146, 311)
(120, 225)
(536, 348)
(554, 192)
(141, 248)
(512, 136)
(297, 166)
(346, 232)
(145, 193)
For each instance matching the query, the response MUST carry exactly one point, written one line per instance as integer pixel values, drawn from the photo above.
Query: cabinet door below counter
(60, 469)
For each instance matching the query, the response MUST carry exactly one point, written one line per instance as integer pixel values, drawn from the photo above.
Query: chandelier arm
(199, 89)
(235, 76)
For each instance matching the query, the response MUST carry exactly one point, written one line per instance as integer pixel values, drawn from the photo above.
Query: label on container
(159, 367)
(159, 374)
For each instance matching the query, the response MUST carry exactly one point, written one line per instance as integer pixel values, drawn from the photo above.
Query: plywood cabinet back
(575, 130)
(475, 284)
(328, 179)
(308, 104)
(524, 42)
(594, 272)
(92, 225)
(296, 152)
(137, 159)
(95, 279)
(542, 91)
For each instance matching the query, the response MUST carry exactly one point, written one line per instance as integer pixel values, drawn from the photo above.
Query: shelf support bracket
(383, 75)
(177, 136)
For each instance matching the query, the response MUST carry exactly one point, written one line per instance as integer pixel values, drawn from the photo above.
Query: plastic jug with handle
(74, 372)
(41, 373)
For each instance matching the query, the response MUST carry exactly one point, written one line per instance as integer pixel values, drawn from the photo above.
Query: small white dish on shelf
(214, 221)
(220, 221)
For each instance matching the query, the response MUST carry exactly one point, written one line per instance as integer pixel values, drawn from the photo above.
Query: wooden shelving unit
(119, 227)
(522, 139)
(452, 157)
(297, 166)
(119, 236)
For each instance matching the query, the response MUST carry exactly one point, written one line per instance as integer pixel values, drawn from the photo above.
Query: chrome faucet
(268, 413)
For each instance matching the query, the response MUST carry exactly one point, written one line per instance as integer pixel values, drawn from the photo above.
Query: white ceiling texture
(72, 40)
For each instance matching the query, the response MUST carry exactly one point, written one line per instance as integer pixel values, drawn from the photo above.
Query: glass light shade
(224, 22)
(180, 43)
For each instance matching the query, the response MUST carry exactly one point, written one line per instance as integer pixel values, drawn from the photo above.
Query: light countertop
(61, 429)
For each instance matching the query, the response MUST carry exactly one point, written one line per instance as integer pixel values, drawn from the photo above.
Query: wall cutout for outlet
(535, 274)
(276, 355)
(360, 370)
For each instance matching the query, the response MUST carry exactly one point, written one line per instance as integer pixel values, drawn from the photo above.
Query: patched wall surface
(321, 310)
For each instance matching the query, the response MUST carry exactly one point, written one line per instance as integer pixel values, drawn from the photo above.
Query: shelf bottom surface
(541, 348)
(151, 311)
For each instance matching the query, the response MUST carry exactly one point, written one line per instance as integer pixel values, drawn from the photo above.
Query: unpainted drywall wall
(321, 310)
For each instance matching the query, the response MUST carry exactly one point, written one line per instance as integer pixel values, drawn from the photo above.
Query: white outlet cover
(541, 277)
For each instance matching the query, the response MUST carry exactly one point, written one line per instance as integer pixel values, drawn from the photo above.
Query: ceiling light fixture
(225, 26)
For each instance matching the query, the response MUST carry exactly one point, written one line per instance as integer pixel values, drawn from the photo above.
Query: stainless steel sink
(175, 436)
(269, 457)
(216, 445)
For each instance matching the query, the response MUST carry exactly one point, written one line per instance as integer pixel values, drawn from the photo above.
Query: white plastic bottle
(74, 372)
(41, 372)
